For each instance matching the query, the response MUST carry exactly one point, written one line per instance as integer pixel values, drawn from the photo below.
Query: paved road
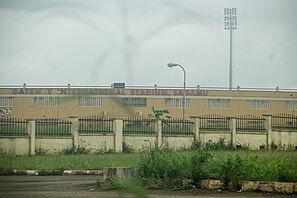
(86, 186)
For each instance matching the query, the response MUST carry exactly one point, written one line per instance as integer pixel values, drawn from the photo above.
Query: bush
(172, 167)
(162, 164)
(233, 172)
(220, 145)
(198, 162)
(127, 148)
(75, 151)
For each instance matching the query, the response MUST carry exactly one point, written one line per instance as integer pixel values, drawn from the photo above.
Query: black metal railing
(53, 127)
(177, 127)
(95, 125)
(250, 123)
(13, 127)
(139, 125)
(213, 123)
(284, 121)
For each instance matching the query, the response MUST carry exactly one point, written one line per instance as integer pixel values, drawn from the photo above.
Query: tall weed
(198, 163)
(233, 172)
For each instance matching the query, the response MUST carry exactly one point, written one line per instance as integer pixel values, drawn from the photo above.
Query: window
(219, 103)
(290, 105)
(6, 101)
(134, 102)
(176, 102)
(90, 101)
(258, 104)
(46, 101)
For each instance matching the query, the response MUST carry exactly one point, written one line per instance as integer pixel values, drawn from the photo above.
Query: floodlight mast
(230, 24)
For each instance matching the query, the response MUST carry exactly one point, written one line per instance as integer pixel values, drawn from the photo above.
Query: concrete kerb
(260, 186)
(51, 172)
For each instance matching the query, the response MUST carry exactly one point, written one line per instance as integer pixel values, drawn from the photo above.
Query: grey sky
(98, 42)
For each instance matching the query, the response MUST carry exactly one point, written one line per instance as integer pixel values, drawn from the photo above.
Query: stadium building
(118, 100)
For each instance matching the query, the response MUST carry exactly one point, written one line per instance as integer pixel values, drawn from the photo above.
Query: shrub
(233, 172)
(170, 167)
(220, 145)
(75, 151)
(198, 163)
(127, 148)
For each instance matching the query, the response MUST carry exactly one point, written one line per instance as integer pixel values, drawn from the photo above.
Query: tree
(158, 113)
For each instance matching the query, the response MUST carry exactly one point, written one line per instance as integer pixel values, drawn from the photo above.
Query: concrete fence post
(232, 127)
(268, 128)
(196, 128)
(159, 133)
(118, 135)
(74, 131)
(32, 137)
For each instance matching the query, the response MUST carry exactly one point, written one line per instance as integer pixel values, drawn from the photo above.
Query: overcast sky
(99, 42)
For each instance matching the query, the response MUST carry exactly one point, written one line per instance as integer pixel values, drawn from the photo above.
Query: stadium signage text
(94, 91)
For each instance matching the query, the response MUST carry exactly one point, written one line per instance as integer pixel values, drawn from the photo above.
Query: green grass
(264, 165)
(234, 166)
(261, 165)
(68, 162)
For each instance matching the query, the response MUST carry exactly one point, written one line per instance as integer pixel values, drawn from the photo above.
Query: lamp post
(170, 65)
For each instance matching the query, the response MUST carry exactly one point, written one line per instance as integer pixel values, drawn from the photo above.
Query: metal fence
(250, 123)
(95, 125)
(13, 127)
(53, 127)
(213, 123)
(284, 121)
(138, 125)
(177, 127)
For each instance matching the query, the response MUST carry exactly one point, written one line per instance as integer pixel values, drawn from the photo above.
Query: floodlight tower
(230, 24)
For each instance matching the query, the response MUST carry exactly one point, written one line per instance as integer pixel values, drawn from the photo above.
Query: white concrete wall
(96, 143)
(14, 146)
(252, 139)
(53, 145)
(103, 143)
(175, 142)
(214, 136)
(284, 138)
(140, 143)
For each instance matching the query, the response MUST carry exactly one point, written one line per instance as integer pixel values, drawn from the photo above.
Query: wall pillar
(74, 131)
(32, 137)
(118, 135)
(159, 133)
(232, 127)
(268, 127)
(196, 130)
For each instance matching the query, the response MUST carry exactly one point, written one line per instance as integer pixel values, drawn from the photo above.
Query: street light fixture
(170, 65)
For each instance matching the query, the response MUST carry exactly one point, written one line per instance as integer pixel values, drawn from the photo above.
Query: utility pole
(230, 24)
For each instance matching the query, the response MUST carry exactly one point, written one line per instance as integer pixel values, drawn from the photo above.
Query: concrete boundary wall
(30, 144)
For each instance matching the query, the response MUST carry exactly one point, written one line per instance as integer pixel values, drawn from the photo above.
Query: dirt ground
(86, 186)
